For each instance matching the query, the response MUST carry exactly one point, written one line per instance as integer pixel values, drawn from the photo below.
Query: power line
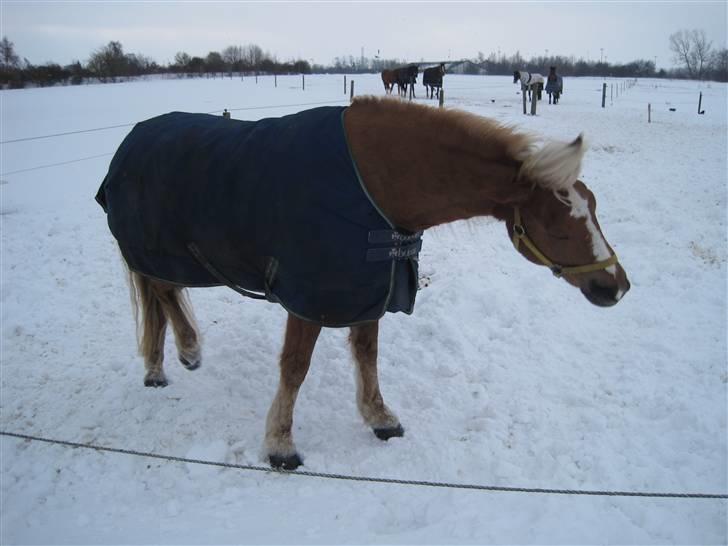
(391, 481)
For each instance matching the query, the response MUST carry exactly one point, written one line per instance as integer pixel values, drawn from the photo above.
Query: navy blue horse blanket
(274, 206)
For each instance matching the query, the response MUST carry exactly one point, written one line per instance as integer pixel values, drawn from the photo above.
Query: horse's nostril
(603, 292)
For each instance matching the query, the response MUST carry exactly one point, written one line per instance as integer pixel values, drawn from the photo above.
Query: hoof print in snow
(387, 433)
(290, 462)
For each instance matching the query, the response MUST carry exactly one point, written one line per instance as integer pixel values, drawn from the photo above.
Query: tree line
(110, 63)
(692, 53)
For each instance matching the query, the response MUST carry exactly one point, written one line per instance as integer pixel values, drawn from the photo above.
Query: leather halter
(519, 234)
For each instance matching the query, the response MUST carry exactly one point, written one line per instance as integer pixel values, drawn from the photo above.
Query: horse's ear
(556, 165)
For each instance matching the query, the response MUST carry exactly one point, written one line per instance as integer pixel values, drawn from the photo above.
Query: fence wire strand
(347, 477)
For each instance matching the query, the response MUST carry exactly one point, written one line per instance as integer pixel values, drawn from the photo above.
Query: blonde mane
(553, 165)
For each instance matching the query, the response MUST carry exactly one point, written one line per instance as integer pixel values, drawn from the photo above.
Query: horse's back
(276, 206)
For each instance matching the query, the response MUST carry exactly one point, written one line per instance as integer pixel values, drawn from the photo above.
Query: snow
(504, 375)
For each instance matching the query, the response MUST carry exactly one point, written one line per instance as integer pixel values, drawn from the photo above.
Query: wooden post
(344, 84)
(604, 94)
(442, 97)
(534, 101)
(303, 82)
(700, 102)
(351, 92)
(256, 77)
(649, 113)
(275, 79)
(611, 94)
(523, 92)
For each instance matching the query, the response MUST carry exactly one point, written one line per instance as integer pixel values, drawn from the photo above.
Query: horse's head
(557, 225)
(516, 76)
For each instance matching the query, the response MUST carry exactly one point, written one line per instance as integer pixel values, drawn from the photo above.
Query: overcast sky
(63, 31)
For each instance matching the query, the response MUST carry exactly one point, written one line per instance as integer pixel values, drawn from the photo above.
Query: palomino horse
(415, 167)
(389, 78)
(529, 82)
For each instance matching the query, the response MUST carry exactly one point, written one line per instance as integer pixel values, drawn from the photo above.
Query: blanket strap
(405, 245)
(193, 248)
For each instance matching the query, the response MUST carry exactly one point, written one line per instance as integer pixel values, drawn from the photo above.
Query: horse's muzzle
(605, 295)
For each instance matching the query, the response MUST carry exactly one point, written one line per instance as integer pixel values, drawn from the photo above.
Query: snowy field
(503, 376)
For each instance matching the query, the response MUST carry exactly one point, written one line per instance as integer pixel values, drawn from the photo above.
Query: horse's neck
(424, 170)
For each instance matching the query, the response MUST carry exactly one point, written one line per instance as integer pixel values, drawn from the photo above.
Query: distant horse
(432, 79)
(554, 85)
(389, 78)
(407, 77)
(184, 197)
(529, 82)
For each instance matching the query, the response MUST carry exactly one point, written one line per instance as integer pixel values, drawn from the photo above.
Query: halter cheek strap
(519, 235)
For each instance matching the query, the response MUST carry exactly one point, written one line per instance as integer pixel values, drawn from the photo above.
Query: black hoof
(155, 382)
(190, 365)
(291, 462)
(387, 433)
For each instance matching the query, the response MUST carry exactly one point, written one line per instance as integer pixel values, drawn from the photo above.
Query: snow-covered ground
(504, 375)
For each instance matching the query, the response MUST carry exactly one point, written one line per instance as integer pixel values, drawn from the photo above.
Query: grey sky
(63, 31)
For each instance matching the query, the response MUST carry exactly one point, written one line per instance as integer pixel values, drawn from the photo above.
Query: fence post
(523, 92)
(700, 102)
(442, 97)
(604, 94)
(256, 77)
(649, 113)
(275, 79)
(611, 94)
(351, 92)
(303, 82)
(344, 84)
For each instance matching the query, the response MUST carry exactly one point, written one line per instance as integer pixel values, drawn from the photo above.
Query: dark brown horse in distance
(432, 80)
(421, 167)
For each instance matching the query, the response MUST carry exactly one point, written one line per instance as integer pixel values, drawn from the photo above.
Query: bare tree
(692, 50)
(702, 48)
(8, 58)
(232, 55)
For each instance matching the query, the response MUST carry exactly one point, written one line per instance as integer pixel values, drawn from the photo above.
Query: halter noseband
(519, 234)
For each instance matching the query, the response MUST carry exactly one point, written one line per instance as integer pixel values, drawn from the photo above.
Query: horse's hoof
(290, 462)
(155, 382)
(390, 432)
(191, 364)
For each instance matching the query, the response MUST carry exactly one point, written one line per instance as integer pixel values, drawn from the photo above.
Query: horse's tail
(556, 165)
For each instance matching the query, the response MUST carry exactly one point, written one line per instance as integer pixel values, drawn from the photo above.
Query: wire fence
(354, 478)
(122, 125)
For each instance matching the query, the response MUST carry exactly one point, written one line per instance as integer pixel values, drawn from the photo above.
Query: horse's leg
(300, 340)
(177, 309)
(153, 329)
(376, 414)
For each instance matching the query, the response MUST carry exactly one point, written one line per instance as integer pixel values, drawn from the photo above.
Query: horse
(407, 76)
(432, 80)
(554, 85)
(441, 165)
(529, 81)
(389, 78)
